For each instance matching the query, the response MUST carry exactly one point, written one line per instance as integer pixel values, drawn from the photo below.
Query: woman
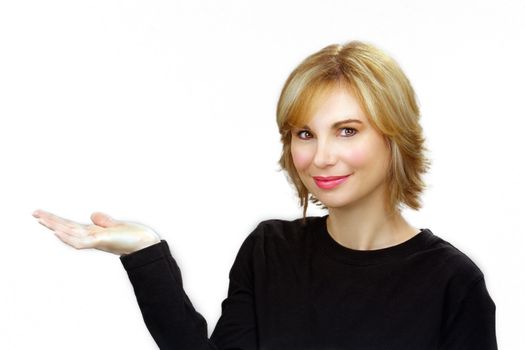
(360, 277)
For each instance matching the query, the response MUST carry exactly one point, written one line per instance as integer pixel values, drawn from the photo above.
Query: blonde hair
(388, 100)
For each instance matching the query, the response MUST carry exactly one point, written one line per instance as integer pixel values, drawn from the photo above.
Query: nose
(324, 154)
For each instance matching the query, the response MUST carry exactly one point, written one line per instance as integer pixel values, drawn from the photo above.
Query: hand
(107, 234)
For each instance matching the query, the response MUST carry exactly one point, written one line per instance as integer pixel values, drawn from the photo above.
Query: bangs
(308, 101)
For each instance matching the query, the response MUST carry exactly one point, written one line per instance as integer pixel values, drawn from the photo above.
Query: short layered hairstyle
(388, 100)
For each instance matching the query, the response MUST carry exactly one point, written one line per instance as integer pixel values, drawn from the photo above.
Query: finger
(53, 225)
(55, 222)
(103, 219)
(71, 241)
(75, 242)
(50, 216)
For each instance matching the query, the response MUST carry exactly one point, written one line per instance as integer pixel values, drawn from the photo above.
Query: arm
(472, 326)
(169, 314)
(156, 279)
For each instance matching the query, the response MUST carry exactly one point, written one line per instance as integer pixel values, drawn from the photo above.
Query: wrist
(147, 240)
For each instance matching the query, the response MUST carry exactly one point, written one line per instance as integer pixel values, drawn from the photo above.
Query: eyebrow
(339, 123)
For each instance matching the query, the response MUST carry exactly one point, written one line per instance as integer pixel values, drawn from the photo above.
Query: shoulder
(453, 260)
(467, 303)
(284, 229)
(275, 239)
(454, 268)
(284, 233)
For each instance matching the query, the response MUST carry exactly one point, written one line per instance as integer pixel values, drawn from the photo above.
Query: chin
(338, 205)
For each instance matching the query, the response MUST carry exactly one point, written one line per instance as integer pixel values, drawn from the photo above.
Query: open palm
(106, 233)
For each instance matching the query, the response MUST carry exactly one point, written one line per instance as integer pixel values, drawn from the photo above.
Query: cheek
(301, 158)
(372, 153)
(357, 157)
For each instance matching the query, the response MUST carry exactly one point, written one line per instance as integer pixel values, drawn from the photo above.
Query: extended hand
(107, 234)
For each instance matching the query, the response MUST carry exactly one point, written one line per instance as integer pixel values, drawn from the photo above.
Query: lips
(329, 178)
(329, 182)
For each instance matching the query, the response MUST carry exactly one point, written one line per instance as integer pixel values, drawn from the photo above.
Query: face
(341, 159)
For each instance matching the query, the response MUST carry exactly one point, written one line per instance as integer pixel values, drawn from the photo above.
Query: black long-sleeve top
(292, 286)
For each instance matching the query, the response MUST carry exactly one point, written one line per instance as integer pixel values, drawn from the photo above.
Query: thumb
(103, 220)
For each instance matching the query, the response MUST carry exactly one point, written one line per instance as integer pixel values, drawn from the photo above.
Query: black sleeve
(473, 325)
(169, 314)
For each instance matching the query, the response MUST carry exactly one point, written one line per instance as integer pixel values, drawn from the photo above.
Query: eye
(304, 134)
(347, 132)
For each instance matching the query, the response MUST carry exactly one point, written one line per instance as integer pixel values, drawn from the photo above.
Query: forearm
(166, 309)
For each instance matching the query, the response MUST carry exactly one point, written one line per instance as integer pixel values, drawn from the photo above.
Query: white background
(163, 112)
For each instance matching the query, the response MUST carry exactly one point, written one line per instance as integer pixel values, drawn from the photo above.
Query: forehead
(330, 104)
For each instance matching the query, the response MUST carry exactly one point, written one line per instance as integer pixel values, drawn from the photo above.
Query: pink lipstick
(329, 182)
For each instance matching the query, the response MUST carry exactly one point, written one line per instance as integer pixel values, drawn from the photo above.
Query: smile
(329, 182)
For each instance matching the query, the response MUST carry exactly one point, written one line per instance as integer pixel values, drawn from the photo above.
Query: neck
(368, 226)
